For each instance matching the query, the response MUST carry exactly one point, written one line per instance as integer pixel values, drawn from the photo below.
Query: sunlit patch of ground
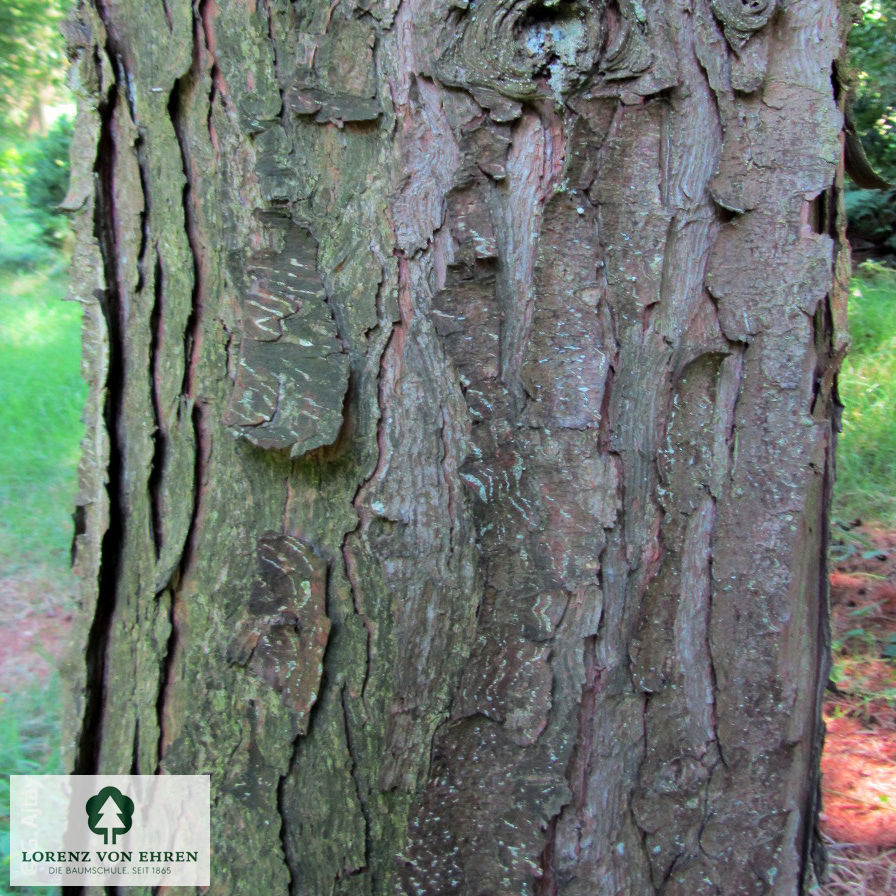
(859, 789)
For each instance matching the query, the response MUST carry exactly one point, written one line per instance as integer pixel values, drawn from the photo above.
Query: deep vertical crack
(159, 436)
(90, 737)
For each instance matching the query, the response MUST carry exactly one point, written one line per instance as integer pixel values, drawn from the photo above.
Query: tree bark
(460, 434)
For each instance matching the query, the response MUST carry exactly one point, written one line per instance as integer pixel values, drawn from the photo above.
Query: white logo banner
(125, 830)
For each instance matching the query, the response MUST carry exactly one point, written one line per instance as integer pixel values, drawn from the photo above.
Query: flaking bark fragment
(292, 372)
(335, 79)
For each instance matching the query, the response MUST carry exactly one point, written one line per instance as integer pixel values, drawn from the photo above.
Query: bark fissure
(308, 721)
(578, 772)
(396, 336)
(160, 438)
(359, 792)
(90, 736)
(191, 338)
(168, 18)
(204, 14)
(282, 816)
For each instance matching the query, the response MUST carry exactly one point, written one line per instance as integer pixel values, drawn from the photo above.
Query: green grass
(41, 396)
(29, 745)
(866, 449)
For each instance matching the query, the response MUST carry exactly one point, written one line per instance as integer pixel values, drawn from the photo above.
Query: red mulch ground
(859, 762)
(859, 784)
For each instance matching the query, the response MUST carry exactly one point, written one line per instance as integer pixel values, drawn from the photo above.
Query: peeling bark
(460, 434)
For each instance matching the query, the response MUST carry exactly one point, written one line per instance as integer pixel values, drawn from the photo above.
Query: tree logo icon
(109, 813)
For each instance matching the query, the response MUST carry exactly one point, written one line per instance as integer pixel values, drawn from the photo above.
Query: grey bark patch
(484, 789)
(292, 373)
(564, 366)
(176, 480)
(275, 164)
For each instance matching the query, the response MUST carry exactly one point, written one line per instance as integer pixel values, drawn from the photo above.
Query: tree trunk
(460, 434)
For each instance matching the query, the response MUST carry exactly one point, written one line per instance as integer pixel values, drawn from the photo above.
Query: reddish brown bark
(466, 371)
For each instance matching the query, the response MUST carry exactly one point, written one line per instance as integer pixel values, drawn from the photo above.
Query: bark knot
(522, 49)
(741, 18)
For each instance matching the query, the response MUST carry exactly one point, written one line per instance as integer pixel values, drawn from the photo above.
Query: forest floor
(858, 818)
(36, 613)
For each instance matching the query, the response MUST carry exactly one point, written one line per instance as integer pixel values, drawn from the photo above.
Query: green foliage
(871, 80)
(872, 216)
(42, 396)
(20, 246)
(866, 452)
(46, 181)
(32, 61)
(29, 745)
(872, 50)
(33, 181)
